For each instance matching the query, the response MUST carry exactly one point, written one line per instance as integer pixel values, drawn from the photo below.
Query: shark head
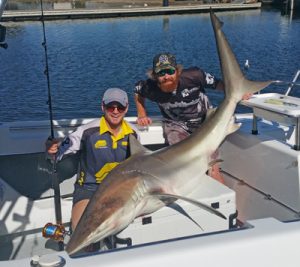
(110, 211)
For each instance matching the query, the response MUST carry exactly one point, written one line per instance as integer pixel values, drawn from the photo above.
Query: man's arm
(220, 86)
(71, 144)
(142, 119)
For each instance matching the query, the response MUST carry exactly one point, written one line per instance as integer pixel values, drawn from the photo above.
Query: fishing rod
(46, 72)
(55, 180)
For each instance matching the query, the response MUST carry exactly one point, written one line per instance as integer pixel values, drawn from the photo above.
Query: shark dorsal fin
(218, 22)
(135, 146)
(166, 197)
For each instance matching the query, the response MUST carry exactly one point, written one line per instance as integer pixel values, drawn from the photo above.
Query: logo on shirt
(138, 88)
(124, 143)
(209, 78)
(100, 144)
(185, 93)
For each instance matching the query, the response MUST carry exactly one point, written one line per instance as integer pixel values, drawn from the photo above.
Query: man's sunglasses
(111, 108)
(166, 71)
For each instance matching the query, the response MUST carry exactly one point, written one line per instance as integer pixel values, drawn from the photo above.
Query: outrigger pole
(55, 180)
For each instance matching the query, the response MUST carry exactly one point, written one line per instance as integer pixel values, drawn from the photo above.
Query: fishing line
(54, 176)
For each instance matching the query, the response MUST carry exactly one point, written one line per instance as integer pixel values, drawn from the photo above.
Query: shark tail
(236, 84)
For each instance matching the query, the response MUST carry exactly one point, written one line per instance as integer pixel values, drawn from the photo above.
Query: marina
(124, 12)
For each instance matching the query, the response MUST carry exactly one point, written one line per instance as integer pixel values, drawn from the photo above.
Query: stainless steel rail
(293, 83)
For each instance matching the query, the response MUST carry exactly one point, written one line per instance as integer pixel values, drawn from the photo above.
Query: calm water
(88, 56)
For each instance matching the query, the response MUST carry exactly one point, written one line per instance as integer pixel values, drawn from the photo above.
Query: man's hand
(52, 146)
(247, 96)
(144, 121)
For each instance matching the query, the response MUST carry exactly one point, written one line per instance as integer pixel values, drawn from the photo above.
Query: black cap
(164, 61)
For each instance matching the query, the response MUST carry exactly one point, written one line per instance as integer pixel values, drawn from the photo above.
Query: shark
(149, 180)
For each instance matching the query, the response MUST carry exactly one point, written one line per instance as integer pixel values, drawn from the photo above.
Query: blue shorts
(83, 192)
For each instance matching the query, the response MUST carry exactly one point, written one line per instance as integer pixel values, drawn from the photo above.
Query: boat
(261, 170)
(260, 198)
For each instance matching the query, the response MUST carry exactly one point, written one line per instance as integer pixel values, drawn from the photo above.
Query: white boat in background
(262, 183)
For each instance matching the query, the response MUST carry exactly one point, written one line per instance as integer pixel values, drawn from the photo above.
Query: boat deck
(255, 198)
(262, 170)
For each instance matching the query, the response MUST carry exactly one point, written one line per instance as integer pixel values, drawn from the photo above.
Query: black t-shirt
(188, 103)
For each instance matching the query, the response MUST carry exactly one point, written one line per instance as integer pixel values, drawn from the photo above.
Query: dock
(122, 12)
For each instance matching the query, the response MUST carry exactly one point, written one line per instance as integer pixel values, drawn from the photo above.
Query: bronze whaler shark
(148, 180)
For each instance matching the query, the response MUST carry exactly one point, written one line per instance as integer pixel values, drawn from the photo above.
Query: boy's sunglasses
(166, 71)
(111, 108)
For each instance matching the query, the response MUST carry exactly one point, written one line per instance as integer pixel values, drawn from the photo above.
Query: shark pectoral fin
(165, 196)
(178, 208)
(135, 146)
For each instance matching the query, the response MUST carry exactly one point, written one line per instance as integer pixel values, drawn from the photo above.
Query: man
(102, 144)
(180, 95)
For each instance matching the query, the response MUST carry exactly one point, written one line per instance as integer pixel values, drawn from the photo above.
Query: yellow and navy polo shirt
(100, 151)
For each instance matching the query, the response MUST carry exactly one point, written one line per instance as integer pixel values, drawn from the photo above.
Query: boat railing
(29, 136)
(281, 108)
(293, 83)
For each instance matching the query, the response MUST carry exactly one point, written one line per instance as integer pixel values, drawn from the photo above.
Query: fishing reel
(56, 232)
